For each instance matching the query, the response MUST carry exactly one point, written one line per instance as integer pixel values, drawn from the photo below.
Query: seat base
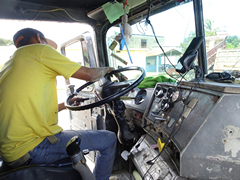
(59, 170)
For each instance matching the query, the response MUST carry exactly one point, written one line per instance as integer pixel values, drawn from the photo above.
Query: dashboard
(190, 118)
(168, 105)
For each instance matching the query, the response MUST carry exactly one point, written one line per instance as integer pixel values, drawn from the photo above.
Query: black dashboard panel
(141, 101)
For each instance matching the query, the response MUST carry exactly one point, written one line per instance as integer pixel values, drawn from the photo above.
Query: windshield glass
(172, 29)
(222, 36)
(175, 29)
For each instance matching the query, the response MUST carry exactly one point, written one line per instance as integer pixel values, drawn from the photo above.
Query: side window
(75, 52)
(80, 50)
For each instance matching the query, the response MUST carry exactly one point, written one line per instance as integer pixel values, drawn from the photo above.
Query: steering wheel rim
(109, 98)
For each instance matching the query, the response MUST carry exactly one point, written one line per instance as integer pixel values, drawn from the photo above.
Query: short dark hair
(26, 41)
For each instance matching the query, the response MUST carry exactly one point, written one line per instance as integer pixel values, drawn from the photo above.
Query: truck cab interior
(174, 96)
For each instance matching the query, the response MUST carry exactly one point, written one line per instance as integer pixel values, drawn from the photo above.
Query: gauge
(140, 97)
(164, 105)
(159, 92)
(177, 96)
(156, 109)
(170, 92)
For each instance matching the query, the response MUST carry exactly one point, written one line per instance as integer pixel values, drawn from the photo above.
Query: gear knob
(78, 159)
(73, 146)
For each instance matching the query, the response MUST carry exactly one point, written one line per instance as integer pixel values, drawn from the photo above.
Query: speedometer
(140, 97)
(159, 92)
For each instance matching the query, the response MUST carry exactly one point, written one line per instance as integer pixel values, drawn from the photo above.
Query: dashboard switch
(171, 122)
(190, 107)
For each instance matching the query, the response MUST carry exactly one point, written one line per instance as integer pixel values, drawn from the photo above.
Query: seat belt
(53, 139)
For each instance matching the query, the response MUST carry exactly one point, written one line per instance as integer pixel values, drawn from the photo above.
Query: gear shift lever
(78, 159)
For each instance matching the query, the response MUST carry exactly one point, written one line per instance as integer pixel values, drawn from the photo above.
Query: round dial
(159, 92)
(164, 105)
(141, 95)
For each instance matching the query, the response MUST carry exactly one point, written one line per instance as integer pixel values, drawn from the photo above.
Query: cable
(23, 11)
(193, 88)
(178, 83)
(151, 126)
(166, 70)
(53, 10)
(141, 28)
(174, 67)
(133, 17)
(165, 55)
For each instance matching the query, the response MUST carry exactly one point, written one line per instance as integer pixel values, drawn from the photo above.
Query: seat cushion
(60, 170)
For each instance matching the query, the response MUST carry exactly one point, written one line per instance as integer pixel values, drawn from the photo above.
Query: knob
(71, 87)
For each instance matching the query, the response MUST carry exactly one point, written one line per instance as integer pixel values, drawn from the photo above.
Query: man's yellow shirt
(28, 98)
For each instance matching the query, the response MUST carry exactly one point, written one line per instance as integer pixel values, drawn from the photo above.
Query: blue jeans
(103, 141)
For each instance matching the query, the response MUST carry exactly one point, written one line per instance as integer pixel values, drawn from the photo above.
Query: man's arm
(91, 74)
(61, 107)
(87, 74)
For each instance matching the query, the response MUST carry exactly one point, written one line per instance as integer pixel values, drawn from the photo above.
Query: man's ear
(35, 39)
(38, 38)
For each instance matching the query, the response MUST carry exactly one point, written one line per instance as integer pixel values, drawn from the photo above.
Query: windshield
(222, 36)
(171, 27)
(174, 30)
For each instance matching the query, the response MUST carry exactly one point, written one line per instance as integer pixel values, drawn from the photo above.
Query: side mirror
(185, 62)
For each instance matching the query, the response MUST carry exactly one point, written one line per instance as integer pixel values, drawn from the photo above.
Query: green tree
(6, 42)
(209, 31)
(233, 42)
(209, 28)
(187, 40)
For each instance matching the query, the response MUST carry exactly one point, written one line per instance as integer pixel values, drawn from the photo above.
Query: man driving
(29, 133)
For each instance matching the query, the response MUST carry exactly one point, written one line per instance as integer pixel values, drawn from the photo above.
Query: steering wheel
(108, 90)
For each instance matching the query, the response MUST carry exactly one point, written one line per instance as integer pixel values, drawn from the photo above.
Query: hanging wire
(47, 11)
(165, 55)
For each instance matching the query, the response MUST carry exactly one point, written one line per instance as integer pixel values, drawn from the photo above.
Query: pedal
(125, 155)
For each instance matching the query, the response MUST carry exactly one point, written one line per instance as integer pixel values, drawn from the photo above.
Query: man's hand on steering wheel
(77, 101)
(107, 90)
(110, 69)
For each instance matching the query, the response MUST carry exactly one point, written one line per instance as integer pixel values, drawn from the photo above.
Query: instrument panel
(179, 111)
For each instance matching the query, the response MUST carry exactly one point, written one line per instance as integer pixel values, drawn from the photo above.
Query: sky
(177, 23)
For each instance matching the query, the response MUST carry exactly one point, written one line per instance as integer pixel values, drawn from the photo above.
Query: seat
(61, 169)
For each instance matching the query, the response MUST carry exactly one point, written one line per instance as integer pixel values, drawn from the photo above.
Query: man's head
(28, 36)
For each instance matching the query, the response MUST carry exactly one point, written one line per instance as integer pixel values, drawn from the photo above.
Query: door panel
(81, 50)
